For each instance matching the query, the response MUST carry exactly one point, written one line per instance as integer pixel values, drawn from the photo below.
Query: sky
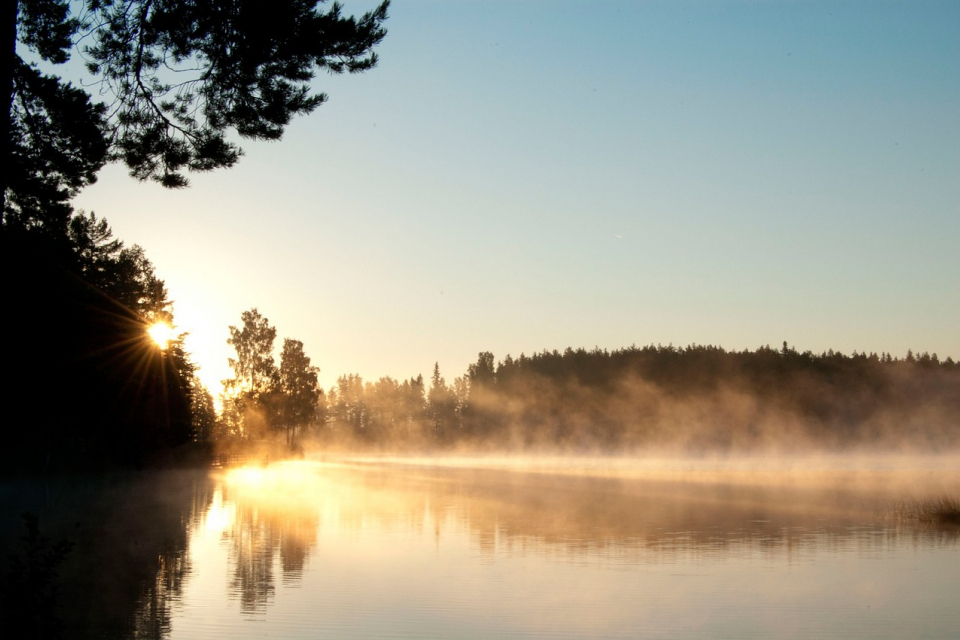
(543, 174)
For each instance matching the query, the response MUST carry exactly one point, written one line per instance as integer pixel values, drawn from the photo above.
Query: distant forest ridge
(693, 399)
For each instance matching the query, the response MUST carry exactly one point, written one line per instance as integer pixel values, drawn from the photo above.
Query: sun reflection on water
(219, 516)
(310, 543)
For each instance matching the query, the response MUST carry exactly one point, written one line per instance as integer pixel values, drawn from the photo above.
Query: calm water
(559, 548)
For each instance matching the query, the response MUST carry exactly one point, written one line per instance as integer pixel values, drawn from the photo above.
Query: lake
(525, 547)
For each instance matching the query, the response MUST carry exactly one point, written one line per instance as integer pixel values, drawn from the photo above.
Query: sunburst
(161, 333)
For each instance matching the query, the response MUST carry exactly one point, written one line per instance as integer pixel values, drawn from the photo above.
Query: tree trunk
(11, 12)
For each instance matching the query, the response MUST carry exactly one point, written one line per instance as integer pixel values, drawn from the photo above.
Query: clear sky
(528, 175)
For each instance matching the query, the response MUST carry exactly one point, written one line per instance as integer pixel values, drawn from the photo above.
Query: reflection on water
(129, 562)
(268, 518)
(427, 548)
(520, 547)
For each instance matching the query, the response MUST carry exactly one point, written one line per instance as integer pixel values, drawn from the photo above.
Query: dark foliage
(705, 398)
(244, 66)
(56, 146)
(179, 77)
(87, 383)
(693, 399)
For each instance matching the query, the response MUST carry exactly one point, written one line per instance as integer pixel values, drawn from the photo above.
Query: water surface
(521, 547)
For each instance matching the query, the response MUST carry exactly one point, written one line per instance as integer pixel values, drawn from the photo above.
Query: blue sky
(519, 176)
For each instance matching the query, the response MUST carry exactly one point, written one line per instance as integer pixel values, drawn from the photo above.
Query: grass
(937, 511)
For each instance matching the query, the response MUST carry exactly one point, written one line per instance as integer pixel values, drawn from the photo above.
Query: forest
(697, 399)
(692, 400)
(89, 388)
(171, 86)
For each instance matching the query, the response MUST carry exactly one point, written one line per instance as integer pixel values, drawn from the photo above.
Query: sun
(161, 333)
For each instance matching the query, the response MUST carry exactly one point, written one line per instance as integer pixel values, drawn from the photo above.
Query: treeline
(388, 412)
(693, 399)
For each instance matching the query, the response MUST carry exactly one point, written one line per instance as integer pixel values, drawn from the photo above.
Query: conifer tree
(178, 75)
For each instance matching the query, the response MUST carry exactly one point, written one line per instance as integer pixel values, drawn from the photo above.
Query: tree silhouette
(351, 406)
(180, 75)
(443, 406)
(250, 393)
(87, 372)
(180, 78)
(299, 388)
(123, 273)
(55, 144)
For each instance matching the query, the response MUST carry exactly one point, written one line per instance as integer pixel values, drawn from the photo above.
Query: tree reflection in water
(563, 512)
(129, 533)
(142, 542)
(272, 517)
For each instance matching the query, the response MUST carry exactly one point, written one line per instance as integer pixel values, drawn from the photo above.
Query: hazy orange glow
(161, 333)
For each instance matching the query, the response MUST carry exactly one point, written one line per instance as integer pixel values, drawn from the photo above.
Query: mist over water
(530, 546)
(696, 491)
(698, 400)
(510, 545)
